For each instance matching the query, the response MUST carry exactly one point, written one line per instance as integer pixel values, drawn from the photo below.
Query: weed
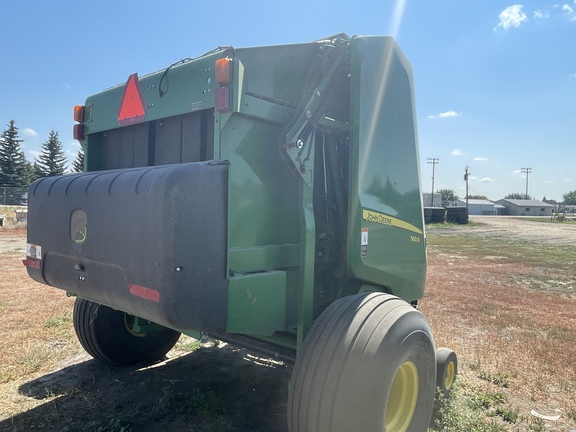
(572, 414)
(59, 320)
(499, 379)
(172, 403)
(487, 400)
(474, 366)
(207, 402)
(507, 414)
(538, 426)
(456, 414)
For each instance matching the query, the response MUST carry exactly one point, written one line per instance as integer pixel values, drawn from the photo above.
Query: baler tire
(367, 364)
(104, 334)
(446, 370)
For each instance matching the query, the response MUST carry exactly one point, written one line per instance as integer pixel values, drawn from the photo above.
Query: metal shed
(519, 207)
(476, 206)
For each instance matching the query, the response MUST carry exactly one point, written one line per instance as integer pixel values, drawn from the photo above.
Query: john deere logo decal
(78, 226)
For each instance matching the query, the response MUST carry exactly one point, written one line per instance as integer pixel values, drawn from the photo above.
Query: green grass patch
(499, 379)
(467, 409)
(504, 249)
(59, 320)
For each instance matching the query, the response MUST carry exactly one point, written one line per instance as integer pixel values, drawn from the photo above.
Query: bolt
(299, 144)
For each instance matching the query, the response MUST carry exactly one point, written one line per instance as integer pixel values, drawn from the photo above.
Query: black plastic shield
(149, 241)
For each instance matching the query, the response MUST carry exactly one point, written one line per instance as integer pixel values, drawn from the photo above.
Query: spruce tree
(78, 163)
(15, 170)
(52, 161)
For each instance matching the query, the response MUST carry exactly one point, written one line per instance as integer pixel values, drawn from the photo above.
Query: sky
(495, 81)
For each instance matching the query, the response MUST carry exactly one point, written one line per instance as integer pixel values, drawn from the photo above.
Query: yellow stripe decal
(383, 219)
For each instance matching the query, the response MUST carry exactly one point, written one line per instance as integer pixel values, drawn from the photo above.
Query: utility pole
(433, 161)
(526, 171)
(466, 174)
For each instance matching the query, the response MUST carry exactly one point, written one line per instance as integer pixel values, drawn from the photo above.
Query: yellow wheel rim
(449, 376)
(402, 399)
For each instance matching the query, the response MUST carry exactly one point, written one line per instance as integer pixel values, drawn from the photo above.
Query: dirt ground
(521, 228)
(49, 383)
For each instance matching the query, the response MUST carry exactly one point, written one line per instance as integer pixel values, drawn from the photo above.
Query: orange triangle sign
(132, 107)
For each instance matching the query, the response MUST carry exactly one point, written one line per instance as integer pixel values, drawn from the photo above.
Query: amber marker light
(79, 113)
(224, 71)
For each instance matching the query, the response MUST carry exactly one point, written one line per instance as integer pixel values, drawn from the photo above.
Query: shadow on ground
(212, 389)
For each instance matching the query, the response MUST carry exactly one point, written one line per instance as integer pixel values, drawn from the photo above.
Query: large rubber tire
(447, 370)
(368, 364)
(105, 334)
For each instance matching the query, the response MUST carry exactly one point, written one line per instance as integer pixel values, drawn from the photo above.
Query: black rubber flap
(149, 241)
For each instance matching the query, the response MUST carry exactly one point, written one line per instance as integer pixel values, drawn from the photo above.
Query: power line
(434, 162)
(526, 171)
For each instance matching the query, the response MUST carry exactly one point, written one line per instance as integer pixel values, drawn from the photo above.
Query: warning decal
(364, 242)
(132, 108)
(33, 251)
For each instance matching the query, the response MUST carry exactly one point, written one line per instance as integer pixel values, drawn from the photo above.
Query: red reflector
(31, 263)
(79, 113)
(224, 71)
(78, 132)
(132, 108)
(222, 100)
(147, 293)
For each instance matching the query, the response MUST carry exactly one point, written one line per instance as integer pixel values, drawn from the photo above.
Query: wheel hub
(402, 399)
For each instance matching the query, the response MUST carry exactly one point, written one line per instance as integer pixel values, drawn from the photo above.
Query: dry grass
(479, 304)
(506, 307)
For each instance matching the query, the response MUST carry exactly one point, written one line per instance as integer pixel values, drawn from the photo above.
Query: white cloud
(35, 154)
(456, 152)
(486, 180)
(30, 132)
(567, 180)
(541, 15)
(512, 16)
(480, 159)
(569, 11)
(446, 114)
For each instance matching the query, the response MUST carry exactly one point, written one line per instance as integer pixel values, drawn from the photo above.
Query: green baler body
(323, 196)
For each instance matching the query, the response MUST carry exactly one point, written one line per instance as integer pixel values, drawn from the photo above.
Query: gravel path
(524, 228)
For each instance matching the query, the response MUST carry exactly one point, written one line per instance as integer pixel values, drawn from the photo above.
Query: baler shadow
(214, 388)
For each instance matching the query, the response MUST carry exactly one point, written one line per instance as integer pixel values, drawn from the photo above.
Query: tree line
(16, 172)
(569, 198)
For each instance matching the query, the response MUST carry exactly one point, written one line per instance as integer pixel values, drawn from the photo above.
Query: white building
(428, 202)
(479, 206)
(519, 207)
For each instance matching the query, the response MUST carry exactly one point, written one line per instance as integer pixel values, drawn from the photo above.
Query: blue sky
(495, 80)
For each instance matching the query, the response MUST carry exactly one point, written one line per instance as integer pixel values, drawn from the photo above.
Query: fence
(13, 196)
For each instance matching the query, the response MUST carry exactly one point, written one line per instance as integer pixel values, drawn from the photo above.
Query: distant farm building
(477, 207)
(519, 207)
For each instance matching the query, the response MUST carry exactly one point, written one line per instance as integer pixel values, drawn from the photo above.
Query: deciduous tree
(569, 198)
(447, 194)
(517, 195)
